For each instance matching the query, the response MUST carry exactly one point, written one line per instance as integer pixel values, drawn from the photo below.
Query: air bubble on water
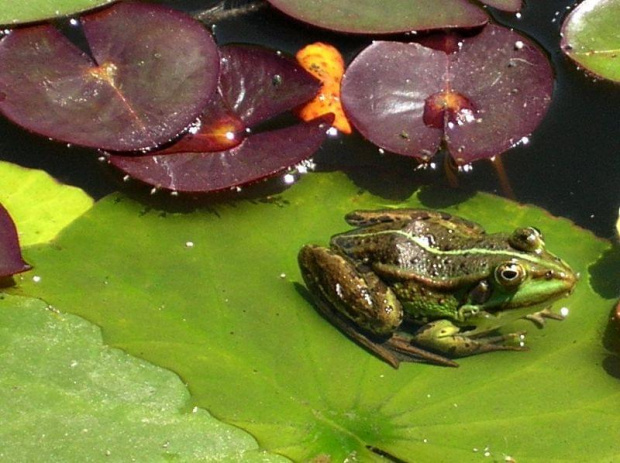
(332, 132)
(36, 279)
(126, 178)
(564, 311)
(74, 22)
(288, 179)
(153, 190)
(189, 244)
(283, 275)
(519, 45)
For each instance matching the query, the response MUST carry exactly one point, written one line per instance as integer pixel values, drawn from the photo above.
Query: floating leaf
(505, 5)
(151, 74)
(40, 206)
(259, 84)
(482, 99)
(259, 156)
(65, 395)
(11, 261)
(216, 296)
(381, 17)
(591, 37)
(14, 12)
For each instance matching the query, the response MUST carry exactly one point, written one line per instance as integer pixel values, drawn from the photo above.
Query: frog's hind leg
(443, 336)
(354, 300)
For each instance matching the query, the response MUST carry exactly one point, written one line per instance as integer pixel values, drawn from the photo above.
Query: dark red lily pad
(481, 99)
(11, 261)
(258, 83)
(151, 73)
(511, 6)
(386, 16)
(257, 157)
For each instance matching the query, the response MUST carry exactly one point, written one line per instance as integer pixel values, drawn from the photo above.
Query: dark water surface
(571, 166)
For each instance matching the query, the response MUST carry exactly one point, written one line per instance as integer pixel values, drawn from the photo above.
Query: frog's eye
(527, 239)
(510, 274)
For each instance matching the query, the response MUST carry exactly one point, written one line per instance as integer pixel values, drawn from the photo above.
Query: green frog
(424, 285)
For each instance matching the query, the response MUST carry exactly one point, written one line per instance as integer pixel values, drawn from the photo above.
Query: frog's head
(526, 276)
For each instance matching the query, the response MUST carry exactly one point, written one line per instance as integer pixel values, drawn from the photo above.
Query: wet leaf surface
(481, 100)
(67, 396)
(14, 12)
(216, 296)
(151, 73)
(591, 37)
(372, 17)
(258, 156)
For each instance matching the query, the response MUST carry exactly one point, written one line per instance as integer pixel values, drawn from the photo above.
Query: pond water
(570, 167)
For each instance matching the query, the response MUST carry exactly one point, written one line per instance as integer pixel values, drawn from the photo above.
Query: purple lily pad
(151, 73)
(217, 129)
(257, 157)
(258, 83)
(511, 6)
(481, 99)
(255, 84)
(11, 261)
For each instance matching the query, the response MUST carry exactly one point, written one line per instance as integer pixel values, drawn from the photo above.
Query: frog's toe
(539, 318)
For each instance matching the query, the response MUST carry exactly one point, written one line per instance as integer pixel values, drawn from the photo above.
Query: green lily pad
(591, 37)
(65, 395)
(15, 12)
(216, 296)
(39, 205)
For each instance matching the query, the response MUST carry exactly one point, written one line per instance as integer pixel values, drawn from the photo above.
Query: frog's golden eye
(510, 274)
(528, 239)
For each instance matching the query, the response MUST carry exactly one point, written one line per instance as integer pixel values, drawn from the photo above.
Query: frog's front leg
(445, 337)
(356, 301)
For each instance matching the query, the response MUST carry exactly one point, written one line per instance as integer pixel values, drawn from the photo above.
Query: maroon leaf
(258, 83)
(481, 99)
(11, 261)
(259, 156)
(217, 129)
(152, 72)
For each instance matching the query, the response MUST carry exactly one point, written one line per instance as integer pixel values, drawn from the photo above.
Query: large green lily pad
(39, 205)
(591, 37)
(14, 12)
(67, 397)
(216, 296)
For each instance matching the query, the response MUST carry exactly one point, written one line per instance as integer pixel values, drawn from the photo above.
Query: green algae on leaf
(591, 37)
(216, 296)
(66, 396)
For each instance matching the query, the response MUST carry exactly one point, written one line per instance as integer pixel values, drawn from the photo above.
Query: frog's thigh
(359, 296)
(445, 337)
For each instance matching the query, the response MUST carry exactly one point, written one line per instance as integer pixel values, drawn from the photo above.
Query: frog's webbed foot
(443, 336)
(539, 318)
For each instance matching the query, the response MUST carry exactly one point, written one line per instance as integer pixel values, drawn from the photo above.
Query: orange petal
(326, 64)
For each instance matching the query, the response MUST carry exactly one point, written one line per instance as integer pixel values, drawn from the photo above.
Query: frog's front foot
(467, 311)
(539, 318)
(443, 336)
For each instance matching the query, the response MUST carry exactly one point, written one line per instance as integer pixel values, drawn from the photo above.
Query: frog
(423, 285)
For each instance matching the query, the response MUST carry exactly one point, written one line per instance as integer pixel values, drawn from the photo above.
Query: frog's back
(436, 248)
